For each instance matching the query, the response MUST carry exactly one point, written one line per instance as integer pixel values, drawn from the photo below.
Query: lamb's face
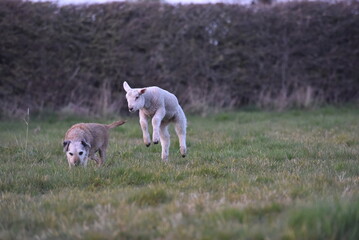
(76, 153)
(135, 100)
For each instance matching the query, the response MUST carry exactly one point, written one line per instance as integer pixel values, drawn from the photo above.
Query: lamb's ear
(126, 86)
(66, 144)
(85, 144)
(142, 91)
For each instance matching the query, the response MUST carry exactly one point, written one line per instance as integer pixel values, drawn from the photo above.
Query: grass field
(248, 175)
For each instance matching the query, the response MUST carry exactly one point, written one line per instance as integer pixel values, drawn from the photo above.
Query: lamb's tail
(115, 124)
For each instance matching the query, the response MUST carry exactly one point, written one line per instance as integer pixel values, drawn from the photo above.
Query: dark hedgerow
(75, 57)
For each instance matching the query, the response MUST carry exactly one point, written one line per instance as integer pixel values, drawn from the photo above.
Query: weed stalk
(27, 121)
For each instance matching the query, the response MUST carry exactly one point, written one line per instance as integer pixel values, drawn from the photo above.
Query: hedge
(222, 56)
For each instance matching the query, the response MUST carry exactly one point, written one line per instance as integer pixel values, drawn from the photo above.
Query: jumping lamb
(83, 140)
(163, 107)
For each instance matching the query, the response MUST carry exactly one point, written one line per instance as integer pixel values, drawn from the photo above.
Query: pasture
(248, 175)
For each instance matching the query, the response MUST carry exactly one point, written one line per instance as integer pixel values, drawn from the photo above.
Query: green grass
(248, 175)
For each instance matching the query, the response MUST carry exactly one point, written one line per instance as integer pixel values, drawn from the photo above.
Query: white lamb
(162, 106)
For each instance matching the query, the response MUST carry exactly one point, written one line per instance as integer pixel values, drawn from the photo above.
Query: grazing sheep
(83, 140)
(162, 106)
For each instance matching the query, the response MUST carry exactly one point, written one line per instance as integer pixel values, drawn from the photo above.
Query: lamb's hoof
(183, 151)
(148, 144)
(155, 142)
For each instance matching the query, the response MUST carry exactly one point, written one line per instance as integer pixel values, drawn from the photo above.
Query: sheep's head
(76, 152)
(134, 97)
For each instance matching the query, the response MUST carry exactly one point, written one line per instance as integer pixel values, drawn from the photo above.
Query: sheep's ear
(85, 144)
(142, 91)
(126, 86)
(66, 144)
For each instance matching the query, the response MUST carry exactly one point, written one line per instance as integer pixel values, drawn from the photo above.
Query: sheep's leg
(144, 127)
(156, 122)
(165, 141)
(180, 127)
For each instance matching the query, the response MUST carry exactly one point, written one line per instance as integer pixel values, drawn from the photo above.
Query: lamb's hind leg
(165, 141)
(180, 127)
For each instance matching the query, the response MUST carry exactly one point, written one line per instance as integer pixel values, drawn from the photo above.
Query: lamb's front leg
(144, 127)
(156, 122)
